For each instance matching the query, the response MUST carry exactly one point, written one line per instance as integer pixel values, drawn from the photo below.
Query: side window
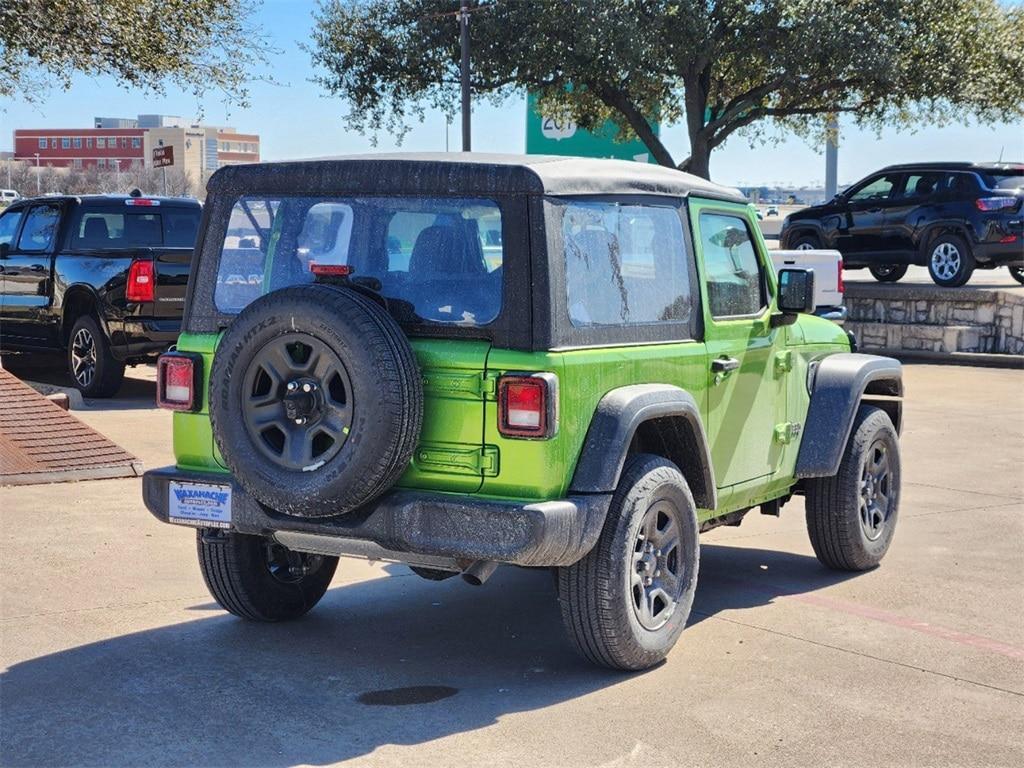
(625, 264)
(961, 185)
(876, 189)
(735, 282)
(9, 225)
(40, 228)
(921, 185)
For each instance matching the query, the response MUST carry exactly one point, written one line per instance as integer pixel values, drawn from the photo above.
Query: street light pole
(832, 158)
(464, 45)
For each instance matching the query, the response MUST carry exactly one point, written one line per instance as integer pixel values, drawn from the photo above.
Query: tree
(721, 67)
(200, 45)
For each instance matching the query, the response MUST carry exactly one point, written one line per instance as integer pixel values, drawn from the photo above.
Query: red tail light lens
(995, 203)
(840, 286)
(141, 281)
(527, 405)
(176, 376)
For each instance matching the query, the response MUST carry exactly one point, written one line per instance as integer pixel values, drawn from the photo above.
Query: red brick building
(115, 148)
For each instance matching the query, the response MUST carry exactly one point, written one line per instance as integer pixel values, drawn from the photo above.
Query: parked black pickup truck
(100, 277)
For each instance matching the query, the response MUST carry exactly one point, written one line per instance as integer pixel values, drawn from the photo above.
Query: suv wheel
(316, 401)
(259, 579)
(950, 262)
(625, 603)
(851, 516)
(1017, 273)
(807, 243)
(888, 273)
(93, 369)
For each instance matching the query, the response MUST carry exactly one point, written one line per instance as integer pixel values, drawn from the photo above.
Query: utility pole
(464, 45)
(38, 190)
(832, 158)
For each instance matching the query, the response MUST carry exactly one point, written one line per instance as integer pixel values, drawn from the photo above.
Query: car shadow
(395, 660)
(138, 391)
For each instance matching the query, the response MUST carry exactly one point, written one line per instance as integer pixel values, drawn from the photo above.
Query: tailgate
(172, 269)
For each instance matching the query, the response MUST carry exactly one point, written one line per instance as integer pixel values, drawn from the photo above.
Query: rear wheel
(888, 273)
(625, 604)
(950, 262)
(258, 579)
(1017, 273)
(851, 516)
(93, 369)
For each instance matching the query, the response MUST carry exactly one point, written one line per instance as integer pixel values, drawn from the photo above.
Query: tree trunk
(699, 161)
(696, 102)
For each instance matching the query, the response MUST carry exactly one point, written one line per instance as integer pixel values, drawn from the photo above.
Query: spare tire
(316, 401)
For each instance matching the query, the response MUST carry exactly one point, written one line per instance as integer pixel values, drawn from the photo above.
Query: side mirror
(796, 291)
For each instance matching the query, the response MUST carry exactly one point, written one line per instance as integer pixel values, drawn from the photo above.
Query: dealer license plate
(200, 504)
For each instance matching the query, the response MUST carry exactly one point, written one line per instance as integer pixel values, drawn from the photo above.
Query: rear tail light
(1008, 239)
(995, 203)
(142, 202)
(141, 280)
(528, 405)
(840, 286)
(177, 377)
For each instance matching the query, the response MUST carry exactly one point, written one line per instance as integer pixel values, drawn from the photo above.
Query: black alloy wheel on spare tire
(316, 401)
(888, 273)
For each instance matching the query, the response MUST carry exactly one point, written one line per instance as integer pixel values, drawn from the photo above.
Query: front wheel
(625, 604)
(258, 579)
(950, 262)
(851, 516)
(888, 273)
(1017, 273)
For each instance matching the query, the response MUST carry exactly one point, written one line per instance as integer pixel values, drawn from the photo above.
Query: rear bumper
(421, 523)
(145, 337)
(1001, 254)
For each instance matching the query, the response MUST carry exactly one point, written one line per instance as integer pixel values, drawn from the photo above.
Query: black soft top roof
(463, 174)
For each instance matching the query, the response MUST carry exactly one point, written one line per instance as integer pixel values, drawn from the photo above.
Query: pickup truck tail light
(528, 405)
(177, 381)
(995, 203)
(141, 281)
(840, 285)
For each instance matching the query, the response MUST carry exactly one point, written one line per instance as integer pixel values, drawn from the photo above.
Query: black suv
(950, 217)
(100, 277)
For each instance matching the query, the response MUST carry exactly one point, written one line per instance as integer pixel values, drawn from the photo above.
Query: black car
(950, 217)
(100, 277)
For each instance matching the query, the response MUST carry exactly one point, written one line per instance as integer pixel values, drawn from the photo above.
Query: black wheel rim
(656, 568)
(290, 567)
(83, 357)
(875, 501)
(297, 402)
(884, 271)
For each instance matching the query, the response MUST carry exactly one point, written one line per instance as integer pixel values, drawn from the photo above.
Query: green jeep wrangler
(457, 361)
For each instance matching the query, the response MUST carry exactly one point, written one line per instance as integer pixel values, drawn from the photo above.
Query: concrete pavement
(114, 653)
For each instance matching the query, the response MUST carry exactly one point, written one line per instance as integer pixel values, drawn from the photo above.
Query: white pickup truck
(828, 278)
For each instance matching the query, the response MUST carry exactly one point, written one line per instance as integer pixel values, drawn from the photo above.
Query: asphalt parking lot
(113, 653)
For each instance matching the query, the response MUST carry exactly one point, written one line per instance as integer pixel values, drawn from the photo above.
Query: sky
(295, 120)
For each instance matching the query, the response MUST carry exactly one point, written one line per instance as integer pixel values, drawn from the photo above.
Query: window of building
(88, 143)
(54, 143)
(136, 142)
(42, 143)
(77, 142)
(77, 162)
(735, 283)
(101, 142)
(101, 162)
(625, 264)
(65, 142)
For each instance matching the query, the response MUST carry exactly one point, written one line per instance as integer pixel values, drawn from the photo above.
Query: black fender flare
(841, 382)
(660, 412)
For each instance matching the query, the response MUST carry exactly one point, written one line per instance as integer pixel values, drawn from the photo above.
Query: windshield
(436, 259)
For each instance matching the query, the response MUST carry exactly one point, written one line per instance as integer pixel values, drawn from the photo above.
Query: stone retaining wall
(933, 319)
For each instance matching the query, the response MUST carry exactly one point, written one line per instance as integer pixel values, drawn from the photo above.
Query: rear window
(149, 227)
(1009, 179)
(435, 259)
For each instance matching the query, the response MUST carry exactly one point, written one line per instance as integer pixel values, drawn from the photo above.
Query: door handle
(724, 364)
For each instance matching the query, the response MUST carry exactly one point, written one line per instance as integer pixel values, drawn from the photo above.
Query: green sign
(553, 136)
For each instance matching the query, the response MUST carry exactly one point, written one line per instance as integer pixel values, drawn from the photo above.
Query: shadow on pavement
(220, 691)
(138, 391)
